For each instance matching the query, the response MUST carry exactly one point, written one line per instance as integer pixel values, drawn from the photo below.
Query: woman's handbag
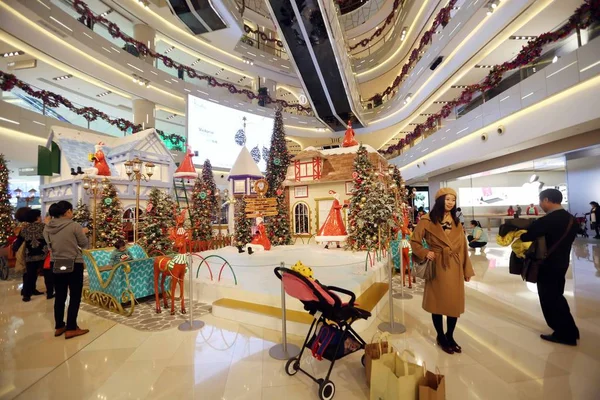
(425, 269)
(63, 266)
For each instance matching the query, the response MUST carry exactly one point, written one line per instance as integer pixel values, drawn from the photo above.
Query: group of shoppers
(439, 238)
(60, 238)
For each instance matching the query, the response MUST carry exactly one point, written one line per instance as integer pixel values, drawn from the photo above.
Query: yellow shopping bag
(393, 377)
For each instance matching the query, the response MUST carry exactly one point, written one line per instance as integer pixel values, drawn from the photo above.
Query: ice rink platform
(244, 288)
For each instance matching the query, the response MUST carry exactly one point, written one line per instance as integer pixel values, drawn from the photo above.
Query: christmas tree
(6, 210)
(277, 166)
(82, 215)
(157, 222)
(109, 223)
(209, 180)
(203, 210)
(371, 206)
(243, 225)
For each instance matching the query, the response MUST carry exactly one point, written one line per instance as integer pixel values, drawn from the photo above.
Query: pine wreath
(240, 137)
(265, 153)
(255, 152)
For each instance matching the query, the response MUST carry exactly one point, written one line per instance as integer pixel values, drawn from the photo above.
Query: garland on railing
(53, 100)
(379, 31)
(442, 18)
(177, 141)
(83, 9)
(583, 17)
(8, 82)
(262, 35)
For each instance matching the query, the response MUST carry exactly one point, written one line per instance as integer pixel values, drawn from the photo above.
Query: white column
(145, 34)
(144, 113)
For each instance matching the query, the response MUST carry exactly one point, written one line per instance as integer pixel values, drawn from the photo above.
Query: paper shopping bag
(393, 377)
(373, 351)
(432, 386)
(20, 259)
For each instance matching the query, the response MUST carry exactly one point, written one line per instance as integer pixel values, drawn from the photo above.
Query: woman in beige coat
(447, 247)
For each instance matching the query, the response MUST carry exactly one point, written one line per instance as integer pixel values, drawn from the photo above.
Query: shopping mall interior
(238, 199)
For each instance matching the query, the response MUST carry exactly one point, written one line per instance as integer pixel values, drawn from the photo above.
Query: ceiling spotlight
(104, 93)
(407, 98)
(62, 78)
(555, 59)
(494, 4)
(490, 11)
(13, 54)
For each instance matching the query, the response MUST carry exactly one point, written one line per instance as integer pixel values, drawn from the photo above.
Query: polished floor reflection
(503, 357)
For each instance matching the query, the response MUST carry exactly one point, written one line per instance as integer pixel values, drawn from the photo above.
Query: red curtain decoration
(584, 16)
(83, 9)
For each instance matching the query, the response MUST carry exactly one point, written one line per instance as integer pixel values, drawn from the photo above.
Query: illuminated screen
(212, 130)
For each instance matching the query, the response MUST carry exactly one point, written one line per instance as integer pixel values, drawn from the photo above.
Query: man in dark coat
(551, 279)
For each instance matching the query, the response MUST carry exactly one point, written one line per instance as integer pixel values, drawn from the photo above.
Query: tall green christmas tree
(6, 210)
(109, 223)
(371, 206)
(158, 220)
(203, 210)
(277, 166)
(209, 180)
(243, 225)
(83, 216)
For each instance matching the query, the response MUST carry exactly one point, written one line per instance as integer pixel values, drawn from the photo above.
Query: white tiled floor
(503, 356)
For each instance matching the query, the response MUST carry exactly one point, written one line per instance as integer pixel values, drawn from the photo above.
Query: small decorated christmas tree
(277, 166)
(243, 225)
(109, 223)
(203, 211)
(371, 206)
(6, 210)
(209, 180)
(83, 216)
(160, 217)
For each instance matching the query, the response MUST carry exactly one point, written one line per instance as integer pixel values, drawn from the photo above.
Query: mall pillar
(144, 113)
(146, 35)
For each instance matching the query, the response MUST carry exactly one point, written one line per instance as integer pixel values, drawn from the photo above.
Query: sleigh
(116, 287)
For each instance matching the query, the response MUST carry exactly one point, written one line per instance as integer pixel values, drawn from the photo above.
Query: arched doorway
(129, 222)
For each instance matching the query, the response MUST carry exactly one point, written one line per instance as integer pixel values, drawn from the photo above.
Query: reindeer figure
(175, 267)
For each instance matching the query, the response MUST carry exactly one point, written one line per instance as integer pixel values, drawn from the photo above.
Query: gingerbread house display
(66, 159)
(312, 174)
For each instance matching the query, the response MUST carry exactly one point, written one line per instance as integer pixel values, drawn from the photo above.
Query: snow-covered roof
(244, 165)
(76, 153)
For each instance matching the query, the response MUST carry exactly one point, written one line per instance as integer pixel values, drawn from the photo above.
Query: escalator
(315, 41)
(38, 106)
(200, 16)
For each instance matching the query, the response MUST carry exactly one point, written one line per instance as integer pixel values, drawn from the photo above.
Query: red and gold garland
(53, 100)
(8, 82)
(262, 35)
(389, 19)
(583, 17)
(442, 18)
(83, 9)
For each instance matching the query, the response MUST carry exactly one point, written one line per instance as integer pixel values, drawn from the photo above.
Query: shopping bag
(393, 377)
(20, 259)
(373, 351)
(432, 386)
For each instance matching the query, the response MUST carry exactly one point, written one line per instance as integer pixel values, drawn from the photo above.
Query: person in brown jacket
(447, 246)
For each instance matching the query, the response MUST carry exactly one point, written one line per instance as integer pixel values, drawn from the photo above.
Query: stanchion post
(402, 295)
(191, 325)
(392, 327)
(283, 351)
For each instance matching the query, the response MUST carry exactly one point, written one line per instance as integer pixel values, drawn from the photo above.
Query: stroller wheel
(292, 366)
(362, 360)
(326, 390)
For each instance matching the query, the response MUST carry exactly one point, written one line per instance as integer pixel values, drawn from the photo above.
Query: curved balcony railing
(63, 114)
(551, 55)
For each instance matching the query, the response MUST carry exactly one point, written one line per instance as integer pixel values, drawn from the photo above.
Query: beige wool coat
(445, 294)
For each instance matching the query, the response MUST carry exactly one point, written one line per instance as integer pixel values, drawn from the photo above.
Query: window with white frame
(301, 219)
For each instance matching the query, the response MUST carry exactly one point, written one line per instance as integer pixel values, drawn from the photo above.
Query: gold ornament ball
(364, 199)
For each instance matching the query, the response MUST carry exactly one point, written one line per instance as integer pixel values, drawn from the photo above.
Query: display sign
(28, 171)
(212, 130)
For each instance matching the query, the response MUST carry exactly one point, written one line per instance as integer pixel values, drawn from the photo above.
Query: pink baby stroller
(335, 338)
(582, 223)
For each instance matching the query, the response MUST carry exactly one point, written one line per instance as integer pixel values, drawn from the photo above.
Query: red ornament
(355, 175)
(279, 192)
